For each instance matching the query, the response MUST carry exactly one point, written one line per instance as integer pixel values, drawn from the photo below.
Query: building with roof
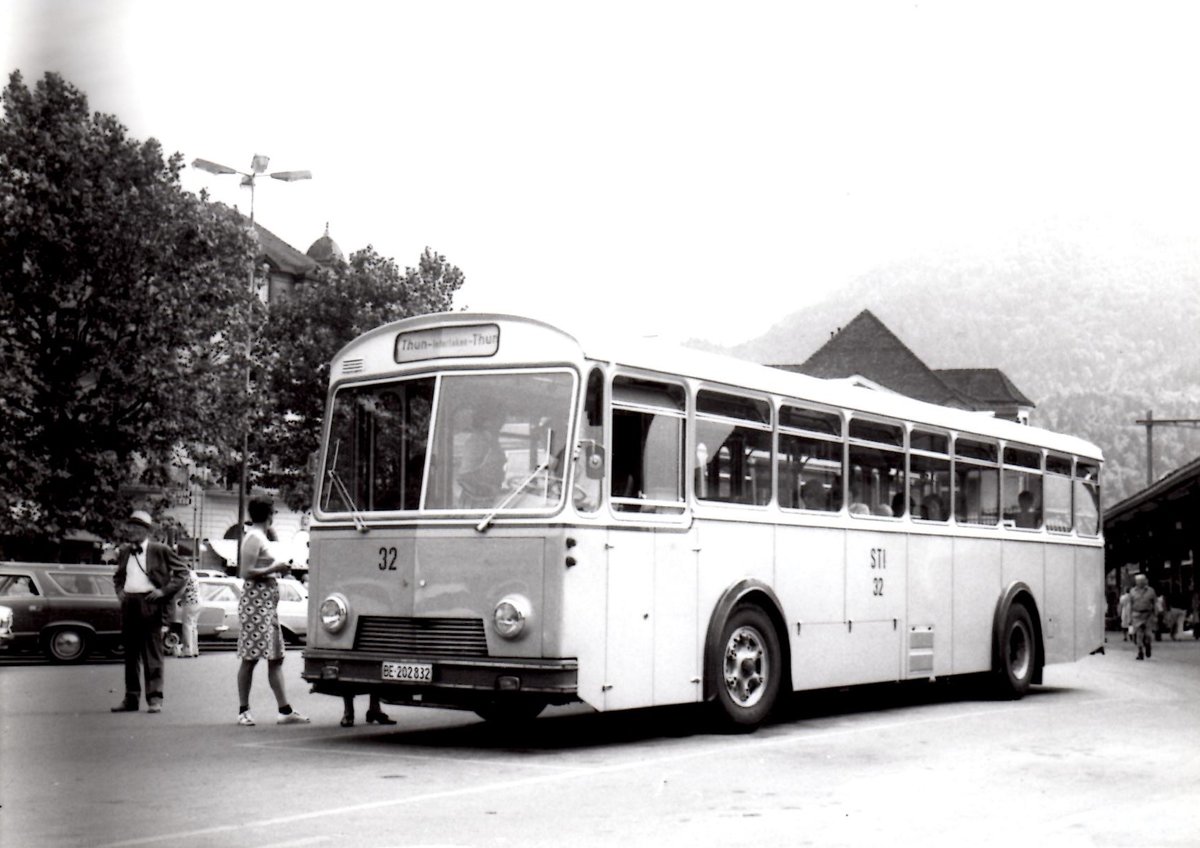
(865, 349)
(287, 267)
(1157, 531)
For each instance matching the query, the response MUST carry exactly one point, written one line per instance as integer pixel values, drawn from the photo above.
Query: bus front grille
(442, 637)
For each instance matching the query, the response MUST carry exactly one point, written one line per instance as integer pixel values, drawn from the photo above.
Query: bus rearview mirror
(593, 460)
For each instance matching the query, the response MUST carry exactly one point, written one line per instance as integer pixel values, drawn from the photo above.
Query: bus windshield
(495, 440)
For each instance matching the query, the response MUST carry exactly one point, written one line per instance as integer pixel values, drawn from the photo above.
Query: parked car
(218, 612)
(6, 621)
(219, 607)
(219, 597)
(65, 611)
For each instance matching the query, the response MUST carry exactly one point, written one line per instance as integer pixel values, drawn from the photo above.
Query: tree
(308, 328)
(122, 303)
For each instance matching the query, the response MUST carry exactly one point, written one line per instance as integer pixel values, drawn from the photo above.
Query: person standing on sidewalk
(189, 605)
(1142, 614)
(148, 576)
(1124, 612)
(258, 610)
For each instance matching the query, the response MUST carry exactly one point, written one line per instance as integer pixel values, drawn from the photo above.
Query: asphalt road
(1106, 753)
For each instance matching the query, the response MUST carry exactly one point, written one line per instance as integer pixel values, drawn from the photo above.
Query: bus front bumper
(455, 682)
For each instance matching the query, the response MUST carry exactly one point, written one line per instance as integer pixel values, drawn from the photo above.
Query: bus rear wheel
(1017, 653)
(747, 671)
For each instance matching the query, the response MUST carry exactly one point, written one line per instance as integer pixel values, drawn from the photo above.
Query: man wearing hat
(148, 576)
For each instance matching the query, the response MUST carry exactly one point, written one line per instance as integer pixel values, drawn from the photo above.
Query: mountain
(1095, 335)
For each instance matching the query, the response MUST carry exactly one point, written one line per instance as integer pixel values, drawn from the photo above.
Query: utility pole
(1150, 423)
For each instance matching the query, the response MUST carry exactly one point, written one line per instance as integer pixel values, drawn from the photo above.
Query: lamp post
(258, 165)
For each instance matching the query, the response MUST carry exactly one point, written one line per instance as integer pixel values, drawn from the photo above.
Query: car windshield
(218, 593)
(495, 440)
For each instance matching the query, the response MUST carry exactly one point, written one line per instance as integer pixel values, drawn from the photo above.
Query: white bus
(509, 516)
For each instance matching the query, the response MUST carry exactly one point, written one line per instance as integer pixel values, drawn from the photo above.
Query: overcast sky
(681, 169)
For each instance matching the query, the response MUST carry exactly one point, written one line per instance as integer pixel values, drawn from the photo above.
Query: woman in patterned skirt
(261, 636)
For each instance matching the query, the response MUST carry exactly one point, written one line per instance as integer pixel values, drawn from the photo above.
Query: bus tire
(510, 711)
(746, 668)
(1017, 653)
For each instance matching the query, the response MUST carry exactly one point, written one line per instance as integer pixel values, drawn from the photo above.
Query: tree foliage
(302, 335)
(122, 303)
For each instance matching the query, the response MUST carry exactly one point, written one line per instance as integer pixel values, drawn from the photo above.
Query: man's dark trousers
(141, 633)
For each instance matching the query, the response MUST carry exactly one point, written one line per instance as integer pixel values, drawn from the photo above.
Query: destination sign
(445, 342)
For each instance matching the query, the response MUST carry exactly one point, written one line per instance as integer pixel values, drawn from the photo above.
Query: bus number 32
(878, 561)
(387, 559)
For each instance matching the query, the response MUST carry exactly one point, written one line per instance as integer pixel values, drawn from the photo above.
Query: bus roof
(665, 358)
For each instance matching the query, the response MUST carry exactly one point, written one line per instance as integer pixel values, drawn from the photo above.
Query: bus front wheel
(1017, 654)
(747, 671)
(510, 711)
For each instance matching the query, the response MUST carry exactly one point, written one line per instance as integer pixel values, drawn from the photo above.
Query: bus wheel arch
(1018, 650)
(748, 618)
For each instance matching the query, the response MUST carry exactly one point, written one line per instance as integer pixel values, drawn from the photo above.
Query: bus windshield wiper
(487, 519)
(359, 522)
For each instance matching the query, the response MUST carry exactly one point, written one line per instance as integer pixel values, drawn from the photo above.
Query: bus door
(650, 629)
(652, 635)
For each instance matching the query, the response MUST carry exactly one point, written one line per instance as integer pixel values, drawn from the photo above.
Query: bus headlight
(334, 612)
(510, 616)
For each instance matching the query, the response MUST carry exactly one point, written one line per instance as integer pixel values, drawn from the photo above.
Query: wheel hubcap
(67, 644)
(745, 667)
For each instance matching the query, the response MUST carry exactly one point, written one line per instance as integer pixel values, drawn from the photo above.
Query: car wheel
(66, 645)
(171, 641)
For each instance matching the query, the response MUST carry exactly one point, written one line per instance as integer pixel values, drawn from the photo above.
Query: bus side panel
(731, 551)
(1058, 606)
(1089, 600)
(584, 611)
(977, 590)
(930, 606)
(811, 584)
(678, 633)
(629, 672)
(1025, 562)
(876, 580)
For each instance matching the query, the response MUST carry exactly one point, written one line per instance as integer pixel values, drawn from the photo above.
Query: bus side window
(589, 455)
(976, 482)
(647, 446)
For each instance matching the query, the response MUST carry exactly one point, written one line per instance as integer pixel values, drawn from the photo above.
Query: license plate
(406, 672)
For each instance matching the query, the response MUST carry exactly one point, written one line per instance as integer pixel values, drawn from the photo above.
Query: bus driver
(483, 460)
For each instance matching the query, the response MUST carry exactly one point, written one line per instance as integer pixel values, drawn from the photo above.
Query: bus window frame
(948, 457)
(782, 430)
(695, 416)
(976, 462)
(1039, 469)
(1079, 480)
(678, 512)
(853, 441)
(1069, 476)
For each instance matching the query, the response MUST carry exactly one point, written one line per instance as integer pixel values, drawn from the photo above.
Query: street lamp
(258, 164)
